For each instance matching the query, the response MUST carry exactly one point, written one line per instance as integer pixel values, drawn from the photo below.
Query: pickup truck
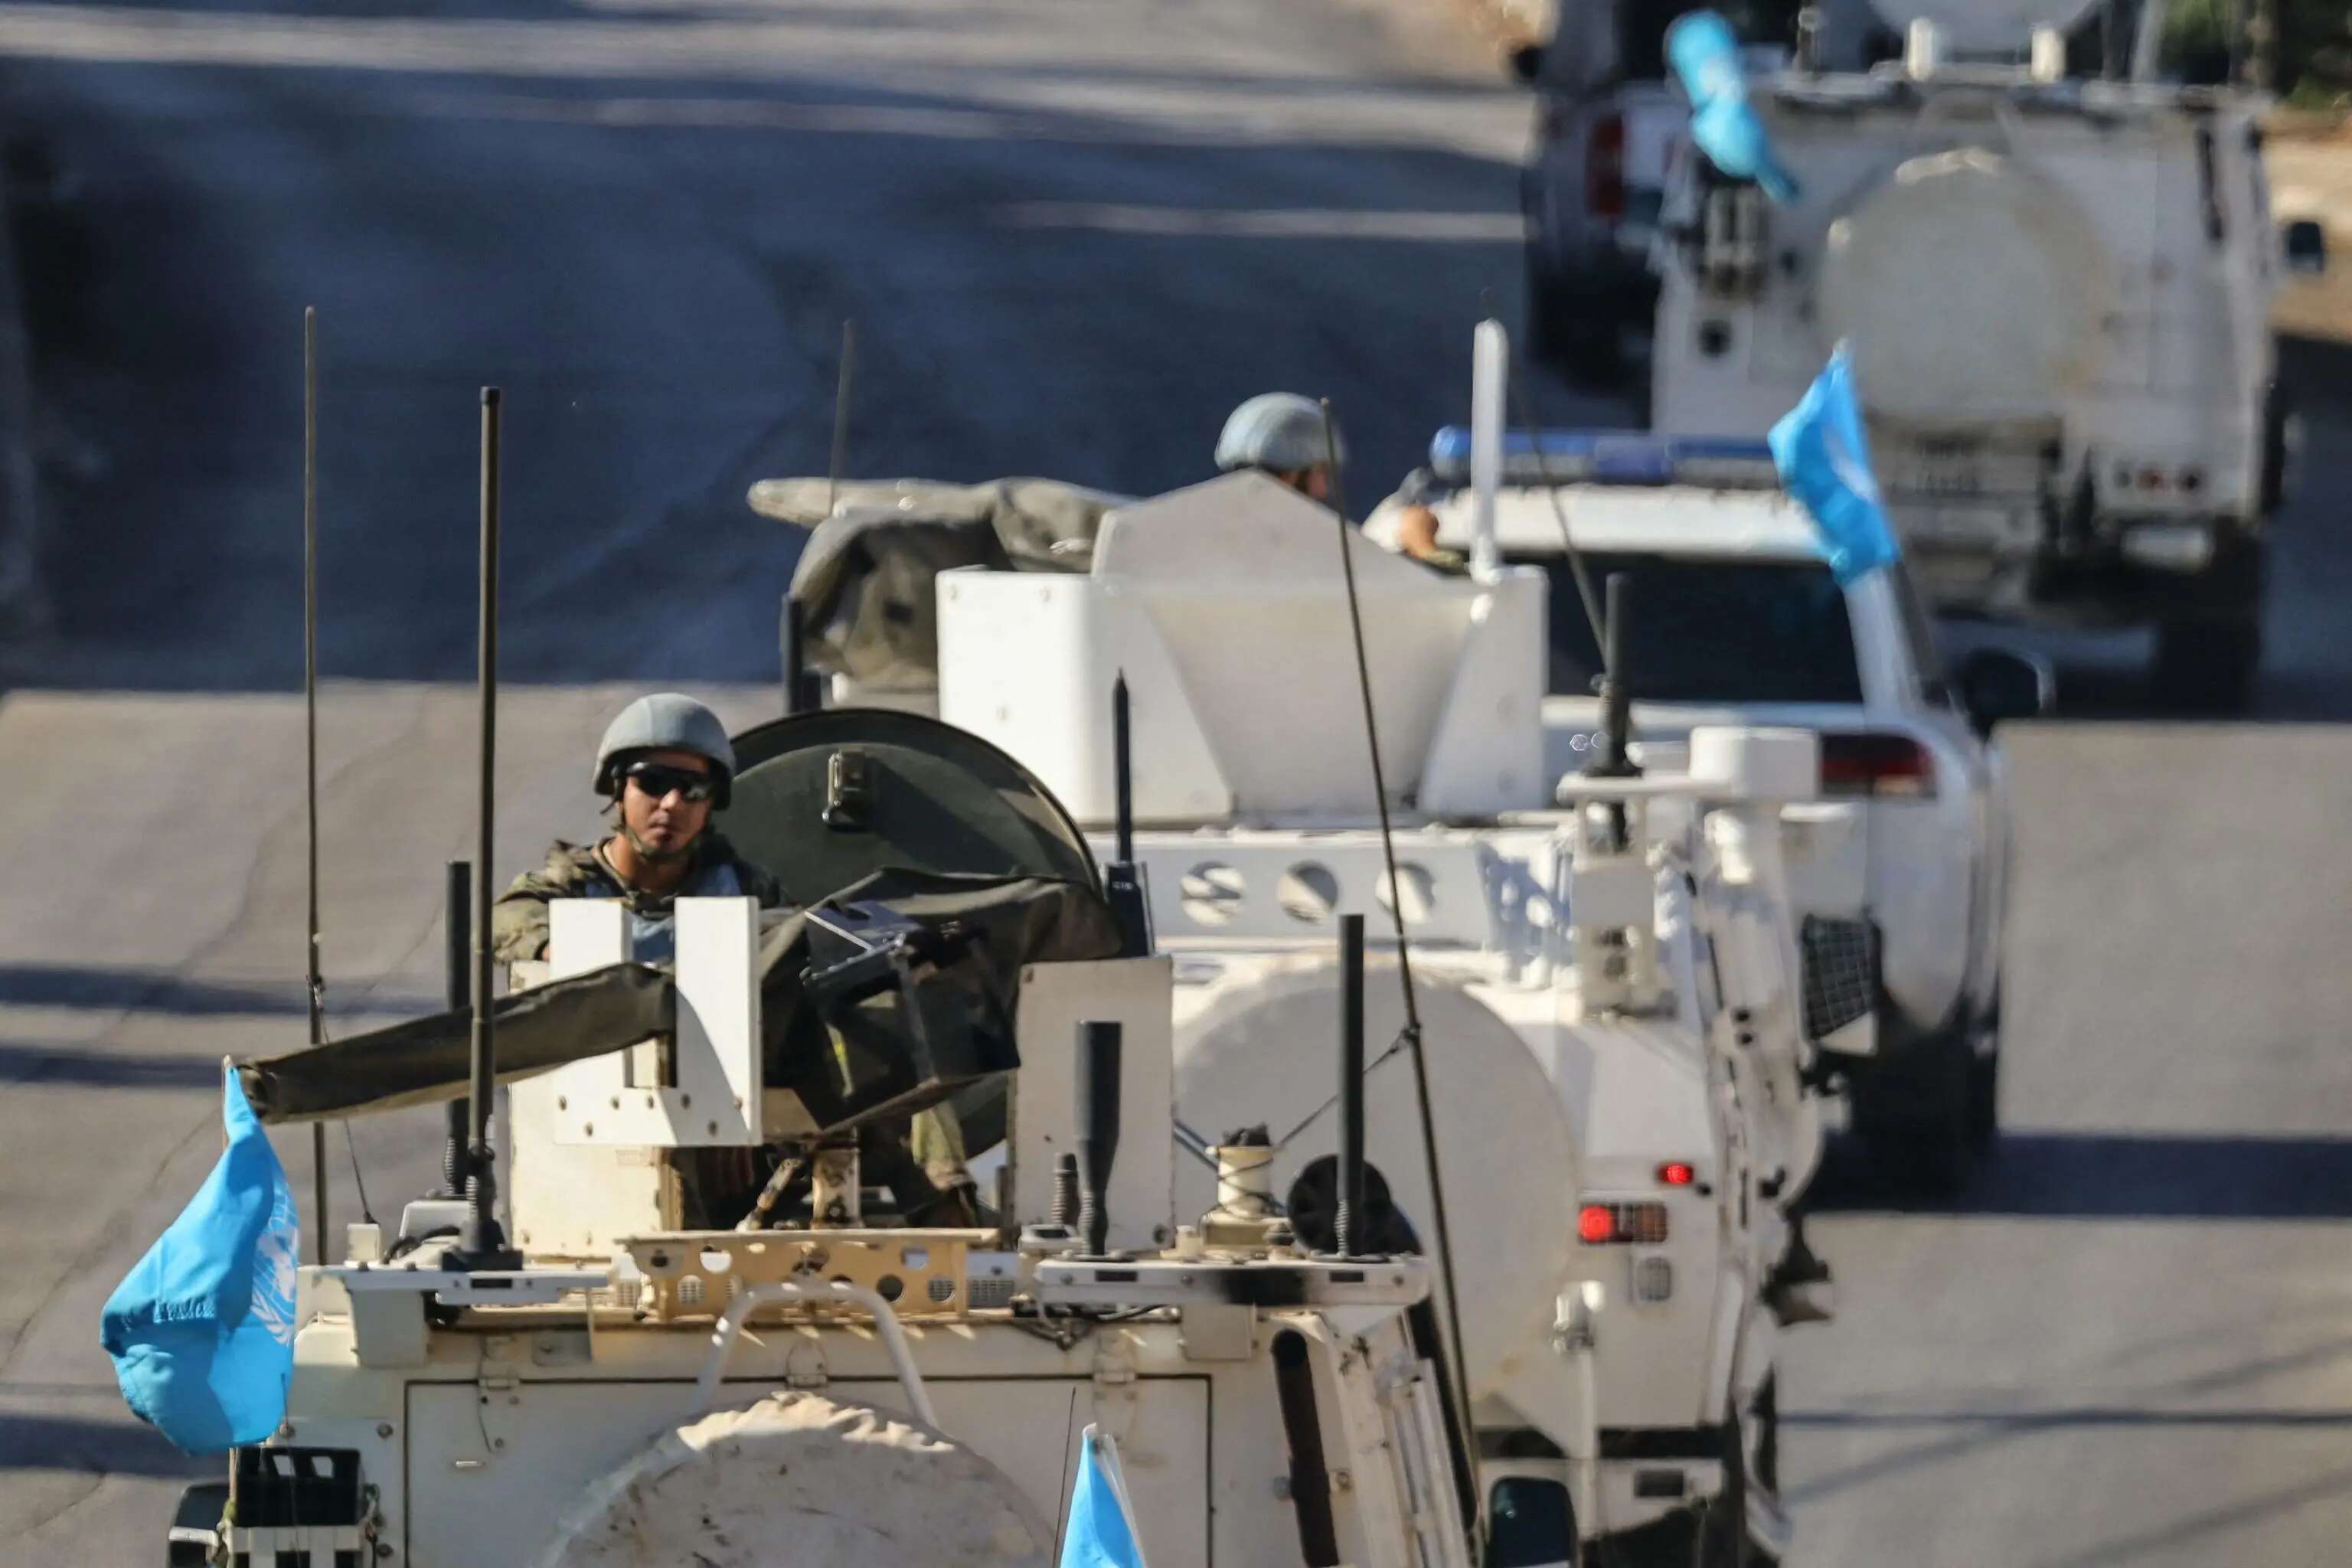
(1737, 619)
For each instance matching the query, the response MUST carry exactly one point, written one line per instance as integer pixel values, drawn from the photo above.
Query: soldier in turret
(1284, 436)
(665, 765)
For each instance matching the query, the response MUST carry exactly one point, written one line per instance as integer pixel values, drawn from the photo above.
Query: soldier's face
(666, 823)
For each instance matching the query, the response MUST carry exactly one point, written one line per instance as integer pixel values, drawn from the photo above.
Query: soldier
(1282, 435)
(665, 764)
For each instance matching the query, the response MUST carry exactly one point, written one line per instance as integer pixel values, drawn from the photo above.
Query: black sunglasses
(657, 780)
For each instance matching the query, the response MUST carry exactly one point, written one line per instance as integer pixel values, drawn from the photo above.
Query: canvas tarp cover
(865, 582)
(1017, 922)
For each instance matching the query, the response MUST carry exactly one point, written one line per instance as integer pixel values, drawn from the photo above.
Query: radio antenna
(314, 985)
(841, 414)
(481, 1244)
(1460, 1382)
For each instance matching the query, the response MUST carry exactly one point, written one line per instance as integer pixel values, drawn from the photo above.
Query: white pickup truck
(2057, 293)
(1738, 620)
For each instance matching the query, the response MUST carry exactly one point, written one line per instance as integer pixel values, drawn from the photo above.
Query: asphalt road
(1072, 235)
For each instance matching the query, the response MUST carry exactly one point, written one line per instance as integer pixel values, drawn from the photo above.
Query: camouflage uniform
(519, 921)
(518, 930)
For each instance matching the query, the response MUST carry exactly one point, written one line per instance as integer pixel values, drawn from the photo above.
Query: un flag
(1704, 52)
(202, 1329)
(1101, 1532)
(1824, 454)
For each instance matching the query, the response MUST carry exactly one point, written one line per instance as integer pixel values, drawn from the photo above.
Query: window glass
(1531, 1522)
(1712, 631)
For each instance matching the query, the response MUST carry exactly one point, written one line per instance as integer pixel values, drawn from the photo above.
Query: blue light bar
(1612, 457)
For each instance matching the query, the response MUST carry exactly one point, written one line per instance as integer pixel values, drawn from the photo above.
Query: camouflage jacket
(519, 921)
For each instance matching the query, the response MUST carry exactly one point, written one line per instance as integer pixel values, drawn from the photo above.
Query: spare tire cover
(1971, 288)
(801, 1479)
(1264, 1048)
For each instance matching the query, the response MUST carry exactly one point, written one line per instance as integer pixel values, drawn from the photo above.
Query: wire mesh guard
(1840, 960)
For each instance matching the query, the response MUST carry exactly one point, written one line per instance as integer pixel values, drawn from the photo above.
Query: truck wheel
(2207, 665)
(2210, 645)
(2278, 449)
(1724, 1541)
(1916, 1114)
(1984, 1101)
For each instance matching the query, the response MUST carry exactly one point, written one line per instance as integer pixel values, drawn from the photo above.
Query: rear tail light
(1620, 1224)
(1878, 766)
(1604, 169)
(1677, 1173)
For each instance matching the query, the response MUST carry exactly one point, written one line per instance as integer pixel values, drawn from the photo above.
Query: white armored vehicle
(2058, 294)
(659, 1377)
(1742, 622)
(1601, 984)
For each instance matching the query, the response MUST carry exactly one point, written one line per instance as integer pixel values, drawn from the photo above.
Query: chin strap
(659, 857)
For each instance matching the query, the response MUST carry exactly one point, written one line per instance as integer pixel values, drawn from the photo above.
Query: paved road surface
(1072, 234)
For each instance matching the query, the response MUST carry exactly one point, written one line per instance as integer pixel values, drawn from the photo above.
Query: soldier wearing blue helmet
(665, 765)
(1284, 435)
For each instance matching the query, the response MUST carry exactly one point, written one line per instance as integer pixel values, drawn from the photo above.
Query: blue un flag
(202, 1329)
(1824, 454)
(1705, 52)
(1101, 1533)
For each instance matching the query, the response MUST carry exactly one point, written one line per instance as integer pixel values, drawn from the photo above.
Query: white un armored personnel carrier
(662, 1376)
(1601, 984)
(2058, 295)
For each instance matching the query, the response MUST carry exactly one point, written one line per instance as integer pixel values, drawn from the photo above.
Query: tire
(1724, 1541)
(2208, 648)
(2206, 665)
(1916, 1114)
(1984, 1101)
(2278, 449)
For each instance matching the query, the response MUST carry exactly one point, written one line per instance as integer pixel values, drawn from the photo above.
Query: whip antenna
(841, 415)
(481, 1244)
(1460, 1382)
(314, 985)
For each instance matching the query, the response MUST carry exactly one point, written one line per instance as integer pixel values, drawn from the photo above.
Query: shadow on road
(122, 1448)
(132, 988)
(2122, 1175)
(147, 990)
(22, 1063)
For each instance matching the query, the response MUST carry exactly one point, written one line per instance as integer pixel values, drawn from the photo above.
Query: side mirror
(1997, 683)
(1527, 62)
(2307, 245)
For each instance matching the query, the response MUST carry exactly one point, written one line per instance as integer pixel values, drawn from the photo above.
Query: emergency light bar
(1612, 457)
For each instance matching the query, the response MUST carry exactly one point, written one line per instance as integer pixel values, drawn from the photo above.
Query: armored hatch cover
(824, 800)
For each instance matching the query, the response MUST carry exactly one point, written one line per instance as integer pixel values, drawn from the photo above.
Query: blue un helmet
(1281, 431)
(666, 721)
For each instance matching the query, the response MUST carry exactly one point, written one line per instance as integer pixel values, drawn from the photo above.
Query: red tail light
(1604, 1224)
(1604, 168)
(1877, 765)
(1677, 1173)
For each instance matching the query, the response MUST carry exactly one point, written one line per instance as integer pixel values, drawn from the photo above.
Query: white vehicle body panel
(2058, 298)
(1506, 905)
(1927, 871)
